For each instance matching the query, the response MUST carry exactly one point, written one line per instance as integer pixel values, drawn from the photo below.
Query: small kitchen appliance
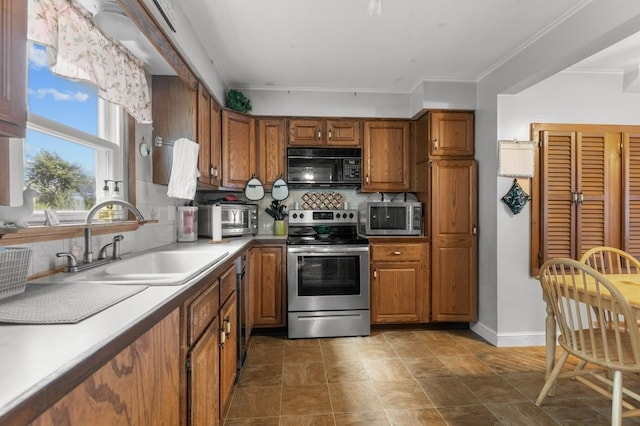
(390, 218)
(237, 220)
(327, 275)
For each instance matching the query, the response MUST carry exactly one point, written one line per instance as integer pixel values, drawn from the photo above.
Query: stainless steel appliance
(324, 167)
(237, 219)
(327, 275)
(390, 218)
(243, 298)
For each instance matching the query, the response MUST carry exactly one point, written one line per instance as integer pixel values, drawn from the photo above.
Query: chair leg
(551, 380)
(616, 401)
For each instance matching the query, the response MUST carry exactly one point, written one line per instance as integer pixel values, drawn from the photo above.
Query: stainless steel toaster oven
(237, 220)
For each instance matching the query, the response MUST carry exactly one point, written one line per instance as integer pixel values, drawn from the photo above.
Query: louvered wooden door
(631, 193)
(581, 180)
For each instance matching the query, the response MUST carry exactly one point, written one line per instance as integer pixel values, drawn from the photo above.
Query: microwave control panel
(351, 168)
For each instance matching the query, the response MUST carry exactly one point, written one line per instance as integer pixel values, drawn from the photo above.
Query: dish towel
(184, 169)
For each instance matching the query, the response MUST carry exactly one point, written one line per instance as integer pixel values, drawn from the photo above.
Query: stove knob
(295, 215)
(301, 215)
(350, 215)
(337, 215)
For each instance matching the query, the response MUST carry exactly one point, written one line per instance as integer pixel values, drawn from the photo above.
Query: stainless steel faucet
(88, 251)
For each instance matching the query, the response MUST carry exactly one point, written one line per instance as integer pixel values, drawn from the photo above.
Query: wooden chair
(610, 260)
(580, 298)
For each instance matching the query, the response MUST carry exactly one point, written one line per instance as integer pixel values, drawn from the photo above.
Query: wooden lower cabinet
(204, 378)
(268, 278)
(399, 283)
(228, 350)
(139, 386)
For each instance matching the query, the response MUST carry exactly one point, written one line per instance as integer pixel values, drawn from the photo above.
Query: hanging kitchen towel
(184, 170)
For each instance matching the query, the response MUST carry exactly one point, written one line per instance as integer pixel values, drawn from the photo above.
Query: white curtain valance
(78, 50)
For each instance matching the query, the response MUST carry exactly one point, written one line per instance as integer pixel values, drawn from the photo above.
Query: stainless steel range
(327, 275)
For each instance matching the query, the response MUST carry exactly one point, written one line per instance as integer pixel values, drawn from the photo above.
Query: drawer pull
(397, 253)
(223, 338)
(227, 326)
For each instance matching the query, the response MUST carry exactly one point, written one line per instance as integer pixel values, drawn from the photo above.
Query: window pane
(63, 172)
(72, 103)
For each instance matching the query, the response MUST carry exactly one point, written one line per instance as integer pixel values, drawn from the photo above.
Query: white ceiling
(336, 45)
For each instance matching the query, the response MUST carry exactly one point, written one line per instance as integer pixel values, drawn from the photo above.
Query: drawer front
(396, 252)
(227, 283)
(202, 311)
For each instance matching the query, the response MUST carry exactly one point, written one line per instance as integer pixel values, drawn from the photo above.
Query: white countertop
(31, 356)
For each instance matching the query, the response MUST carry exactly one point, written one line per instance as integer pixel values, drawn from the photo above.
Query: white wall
(575, 98)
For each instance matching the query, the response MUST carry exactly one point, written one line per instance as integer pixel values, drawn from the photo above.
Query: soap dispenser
(118, 210)
(105, 214)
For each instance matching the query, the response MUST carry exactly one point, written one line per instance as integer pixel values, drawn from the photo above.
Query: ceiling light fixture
(112, 20)
(375, 7)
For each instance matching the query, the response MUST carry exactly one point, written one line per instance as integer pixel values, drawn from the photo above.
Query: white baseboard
(505, 340)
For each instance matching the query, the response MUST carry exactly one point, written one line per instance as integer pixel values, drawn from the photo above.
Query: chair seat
(622, 359)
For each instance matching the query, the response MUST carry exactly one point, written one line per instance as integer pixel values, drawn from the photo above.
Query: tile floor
(407, 377)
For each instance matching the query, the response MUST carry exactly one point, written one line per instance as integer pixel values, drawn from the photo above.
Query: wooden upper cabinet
(324, 132)
(271, 150)
(204, 136)
(174, 108)
(215, 172)
(386, 156)
(238, 149)
(13, 70)
(451, 133)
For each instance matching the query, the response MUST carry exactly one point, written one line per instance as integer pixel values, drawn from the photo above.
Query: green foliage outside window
(62, 185)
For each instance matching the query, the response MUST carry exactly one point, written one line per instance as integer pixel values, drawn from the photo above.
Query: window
(73, 141)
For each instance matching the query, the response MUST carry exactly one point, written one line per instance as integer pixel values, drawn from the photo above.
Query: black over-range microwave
(324, 167)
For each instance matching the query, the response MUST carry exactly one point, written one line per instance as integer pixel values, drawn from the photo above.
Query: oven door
(327, 278)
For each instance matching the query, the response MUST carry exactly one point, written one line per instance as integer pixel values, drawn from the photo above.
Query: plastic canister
(187, 223)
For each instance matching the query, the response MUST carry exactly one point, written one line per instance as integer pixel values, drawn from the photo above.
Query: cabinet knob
(366, 178)
(319, 134)
(329, 134)
(375, 273)
(213, 171)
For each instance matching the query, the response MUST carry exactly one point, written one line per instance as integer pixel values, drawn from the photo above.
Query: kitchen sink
(155, 268)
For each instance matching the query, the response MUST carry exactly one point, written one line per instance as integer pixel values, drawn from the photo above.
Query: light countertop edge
(33, 356)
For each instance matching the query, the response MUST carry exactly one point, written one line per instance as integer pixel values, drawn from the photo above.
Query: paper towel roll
(216, 223)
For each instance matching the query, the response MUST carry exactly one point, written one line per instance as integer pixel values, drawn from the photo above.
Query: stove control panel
(316, 217)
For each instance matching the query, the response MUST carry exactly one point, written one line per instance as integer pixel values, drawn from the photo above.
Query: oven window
(391, 218)
(328, 275)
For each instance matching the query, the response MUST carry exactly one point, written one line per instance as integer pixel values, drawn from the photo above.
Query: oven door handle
(329, 250)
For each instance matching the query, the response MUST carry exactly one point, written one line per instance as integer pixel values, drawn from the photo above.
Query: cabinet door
(139, 386)
(271, 150)
(268, 278)
(238, 149)
(451, 134)
(386, 156)
(342, 132)
(305, 132)
(631, 193)
(454, 240)
(204, 378)
(580, 179)
(229, 351)
(174, 110)
(215, 173)
(13, 71)
(204, 136)
(396, 292)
